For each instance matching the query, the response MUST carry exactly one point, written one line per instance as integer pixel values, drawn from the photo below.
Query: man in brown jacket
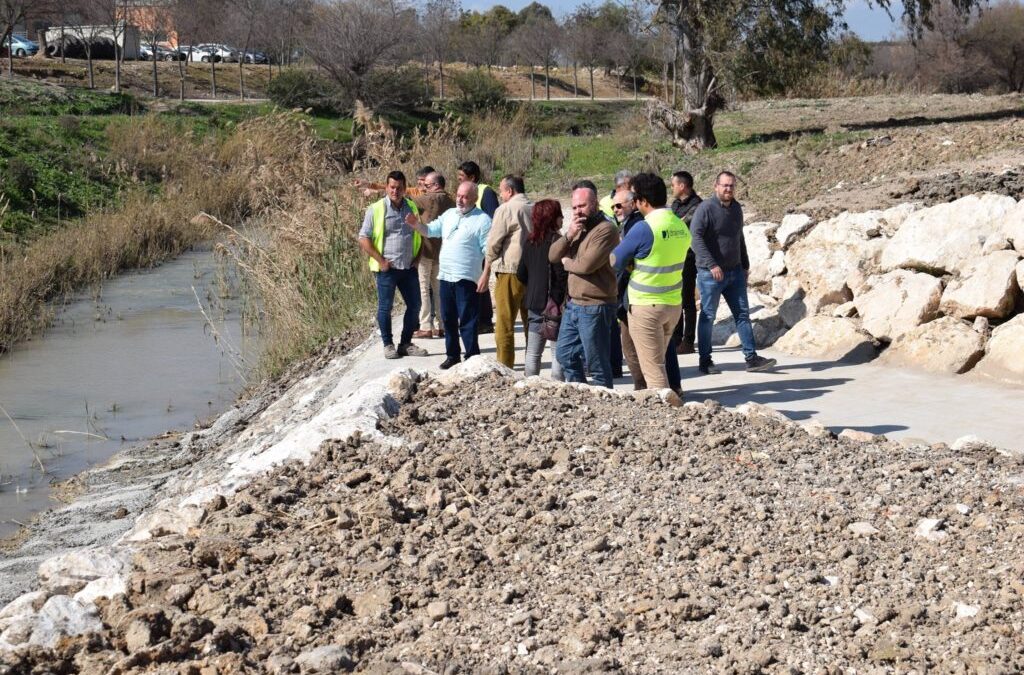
(585, 334)
(432, 203)
(504, 249)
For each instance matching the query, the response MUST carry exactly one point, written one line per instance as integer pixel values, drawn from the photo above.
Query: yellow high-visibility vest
(658, 278)
(377, 234)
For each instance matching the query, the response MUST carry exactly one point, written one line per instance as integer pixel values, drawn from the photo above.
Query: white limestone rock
(827, 337)
(987, 286)
(1019, 271)
(941, 238)
(897, 302)
(791, 227)
(758, 252)
(946, 345)
(1013, 227)
(70, 572)
(824, 259)
(1004, 357)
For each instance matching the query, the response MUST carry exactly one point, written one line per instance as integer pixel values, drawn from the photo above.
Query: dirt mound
(538, 527)
(951, 186)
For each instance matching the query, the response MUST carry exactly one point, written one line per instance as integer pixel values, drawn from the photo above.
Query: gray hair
(629, 195)
(622, 177)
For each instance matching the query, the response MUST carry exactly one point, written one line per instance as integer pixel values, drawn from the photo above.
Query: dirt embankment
(541, 527)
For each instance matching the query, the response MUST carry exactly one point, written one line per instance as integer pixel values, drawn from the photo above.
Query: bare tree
(12, 13)
(439, 27)
(538, 41)
(245, 17)
(154, 24)
(998, 36)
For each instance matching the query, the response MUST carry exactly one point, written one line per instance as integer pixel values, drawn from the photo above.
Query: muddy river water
(120, 364)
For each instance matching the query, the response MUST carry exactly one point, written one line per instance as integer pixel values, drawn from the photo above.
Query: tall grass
(264, 164)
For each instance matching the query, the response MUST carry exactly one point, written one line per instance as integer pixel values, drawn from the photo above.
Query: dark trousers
(460, 307)
(616, 352)
(406, 282)
(675, 380)
(686, 329)
(486, 312)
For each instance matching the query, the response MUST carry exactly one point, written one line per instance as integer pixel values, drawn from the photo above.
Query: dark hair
(471, 169)
(516, 183)
(441, 182)
(730, 174)
(584, 183)
(398, 176)
(650, 188)
(544, 218)
(684, 177)
(422, 173)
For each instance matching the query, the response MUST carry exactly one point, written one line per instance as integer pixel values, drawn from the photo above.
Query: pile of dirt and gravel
(951, 186)
(538, 527)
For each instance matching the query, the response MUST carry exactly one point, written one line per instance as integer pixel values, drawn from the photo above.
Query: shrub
(479, 90)
(301, 88)
(20, 175)
(397, 89)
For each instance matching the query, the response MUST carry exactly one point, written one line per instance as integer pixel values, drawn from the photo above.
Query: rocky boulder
(987, 286)
(792, 226)
(941, 238)
(1013, 227)
(759, 252)
(831, 338)
(1003, 359)
(894, 303)
(824, 261)
(946, 345)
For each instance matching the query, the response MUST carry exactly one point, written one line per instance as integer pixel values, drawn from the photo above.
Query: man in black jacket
(722, 270)
(684, 206)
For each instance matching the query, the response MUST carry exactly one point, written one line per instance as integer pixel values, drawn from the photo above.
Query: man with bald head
(463, 232)
(585, 334)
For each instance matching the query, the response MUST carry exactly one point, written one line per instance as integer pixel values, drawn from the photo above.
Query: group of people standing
(618, 283)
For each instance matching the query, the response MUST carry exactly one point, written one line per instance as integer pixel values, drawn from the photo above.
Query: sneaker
(391, 353)
(685, 347)
(438, 332)
(759, 364)
(423, 334)
(449, 362)
(709, 368)
(411, 350)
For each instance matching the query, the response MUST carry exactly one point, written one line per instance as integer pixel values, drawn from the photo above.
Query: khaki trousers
(650, 328)
(508, 302)
(629, 353)
(430, 295)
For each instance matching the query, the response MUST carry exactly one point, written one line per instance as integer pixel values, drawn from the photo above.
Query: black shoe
(709, 368)
(759, 364)
(449, 362)
(686, 347)
(485, 328)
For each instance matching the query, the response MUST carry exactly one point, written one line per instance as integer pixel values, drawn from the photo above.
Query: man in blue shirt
(463, 232)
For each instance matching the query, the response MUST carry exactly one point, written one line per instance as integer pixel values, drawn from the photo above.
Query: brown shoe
(438, 332)
(422, 334)
(685, 347)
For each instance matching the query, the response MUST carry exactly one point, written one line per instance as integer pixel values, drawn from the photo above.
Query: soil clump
(524, 527)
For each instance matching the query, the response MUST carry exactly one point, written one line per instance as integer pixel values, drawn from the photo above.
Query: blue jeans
(584, 342)
(460, 308)
(732, 287)
(406, 282)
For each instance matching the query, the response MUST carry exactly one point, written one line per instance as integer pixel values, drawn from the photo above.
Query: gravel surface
(540, 528)
(949, 187)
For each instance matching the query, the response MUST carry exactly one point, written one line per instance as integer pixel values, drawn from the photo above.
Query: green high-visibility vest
(605, 205)
(378, 210)
(480, 189)
(658, 278)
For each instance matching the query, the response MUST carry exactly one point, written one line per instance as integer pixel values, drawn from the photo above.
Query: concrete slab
(882, 400)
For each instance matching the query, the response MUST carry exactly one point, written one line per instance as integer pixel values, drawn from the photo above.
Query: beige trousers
(650, 328)
(430, 295)
(629, 354)
(509, 293)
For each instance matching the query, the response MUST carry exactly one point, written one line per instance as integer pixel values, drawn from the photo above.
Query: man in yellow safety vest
(393, 248)
(657, 247)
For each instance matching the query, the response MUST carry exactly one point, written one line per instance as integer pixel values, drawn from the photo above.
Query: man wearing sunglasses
(722, 270)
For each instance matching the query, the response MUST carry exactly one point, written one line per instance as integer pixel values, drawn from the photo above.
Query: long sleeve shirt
(511, 220)
(464, 239)
(591, 278)
(718, 235)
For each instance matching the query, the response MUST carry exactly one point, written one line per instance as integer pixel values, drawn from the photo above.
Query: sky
(871, 24)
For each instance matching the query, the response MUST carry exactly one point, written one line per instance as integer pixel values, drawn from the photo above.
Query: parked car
(218, 53)
(21, 46)
(162, 54)
(255, 56)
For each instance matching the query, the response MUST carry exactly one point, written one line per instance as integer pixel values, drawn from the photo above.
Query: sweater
(591, 277)
(504, 248)
(718, 235)
(542, 278)
(432, 205)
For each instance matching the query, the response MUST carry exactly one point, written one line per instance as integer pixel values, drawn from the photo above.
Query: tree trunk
(547, 81)
(241, 77)
(182, 70)
(117, 65)
(10, 59)
(664, 81)
(591, 83)
(88, 65)
(63, 58)
(636, 91)
(426, 80)
(213, 76)
(693, 127)
(575, 81)
(533, 84)
(618, 82)
(675, 73)
(156, 77)
(440, 78)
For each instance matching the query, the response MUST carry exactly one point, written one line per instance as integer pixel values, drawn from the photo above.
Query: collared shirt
(464, 237)
(397, 234)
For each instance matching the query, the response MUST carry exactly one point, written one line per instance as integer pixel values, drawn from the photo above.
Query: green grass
(20, 97)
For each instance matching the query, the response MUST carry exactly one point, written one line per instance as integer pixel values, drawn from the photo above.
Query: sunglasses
(618, 206)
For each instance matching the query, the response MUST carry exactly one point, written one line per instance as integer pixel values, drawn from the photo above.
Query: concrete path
(882, 400)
